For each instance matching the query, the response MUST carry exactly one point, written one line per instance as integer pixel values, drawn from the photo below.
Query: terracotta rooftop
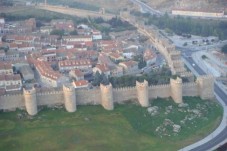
(115, 55)
(102, 67)
(129, 63)
(5, 66)
(14, 77)
(45, 70)
(81, 83)
(148, 54)
(78, 73)
(81, 62)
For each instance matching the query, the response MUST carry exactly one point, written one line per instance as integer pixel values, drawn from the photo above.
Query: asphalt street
(223, 135)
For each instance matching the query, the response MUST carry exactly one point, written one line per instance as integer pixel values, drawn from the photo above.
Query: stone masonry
(107, 96)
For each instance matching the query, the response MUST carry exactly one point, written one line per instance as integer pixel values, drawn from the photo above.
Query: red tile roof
(5, 66)
(115, 55)
(81, 83)
(14, 77)
(78, 73)
(129, 63)
(102, 67)
(70, 63)
(45, 70)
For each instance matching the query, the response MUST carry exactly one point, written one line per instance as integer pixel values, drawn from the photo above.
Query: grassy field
(91, 128)
(42, 15)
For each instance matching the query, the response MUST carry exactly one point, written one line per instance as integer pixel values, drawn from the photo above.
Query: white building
(198, 13)
(2, 21)
(77, 38)
(76, 74)
(102, 69)
(10, 82)
(149, 57)
(96, 35)
(6, 69)
(82, 64)
(129, 67)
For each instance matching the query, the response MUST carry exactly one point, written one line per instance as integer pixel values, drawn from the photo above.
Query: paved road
(146, 8)
(223, 135)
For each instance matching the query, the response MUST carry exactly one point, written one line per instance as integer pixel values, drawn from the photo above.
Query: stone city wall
(124, 94)
(159, 91)
(50, 98)
(11, 102)
(107, 96)
(190, 89)
(88, 97)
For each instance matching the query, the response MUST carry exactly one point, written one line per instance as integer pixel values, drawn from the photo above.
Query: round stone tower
(176, 90)
(206, 86)
(70, 98)
(107, 96)
(30, 101)
(142, 93)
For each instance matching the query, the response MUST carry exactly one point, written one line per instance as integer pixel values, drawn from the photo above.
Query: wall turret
(70, 98)
(206, 86)
(142, 93)
(102, 11)
(107, 96)
(30, 101)
(176, 90)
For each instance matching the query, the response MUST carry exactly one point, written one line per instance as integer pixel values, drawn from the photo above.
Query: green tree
(142, 64)
(105, 79)
(224, 49)
(73, 32)
(97, 79)
(57, 32)
(185, 44)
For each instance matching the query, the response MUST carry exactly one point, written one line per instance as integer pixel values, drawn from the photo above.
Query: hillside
(167, 5)
(111, 5)
(163, 5)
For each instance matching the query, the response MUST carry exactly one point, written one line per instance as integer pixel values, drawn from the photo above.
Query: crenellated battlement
(180, 70)
(69, 88)
(106, 87)
(176, 89)
(70, 98)
(205, 77)
(124, 89)
(178, 62)
(29, 91)
(178, 80)
(171, 48)
(107, 96)
(175, 52)
(104, 95)
(49, 93)
(206, 86)
(85, 91)
(186, 74)
(30, 101)
(142, 93)
(189, 84)
(142, 84)
(9, 95)
(159, 86)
